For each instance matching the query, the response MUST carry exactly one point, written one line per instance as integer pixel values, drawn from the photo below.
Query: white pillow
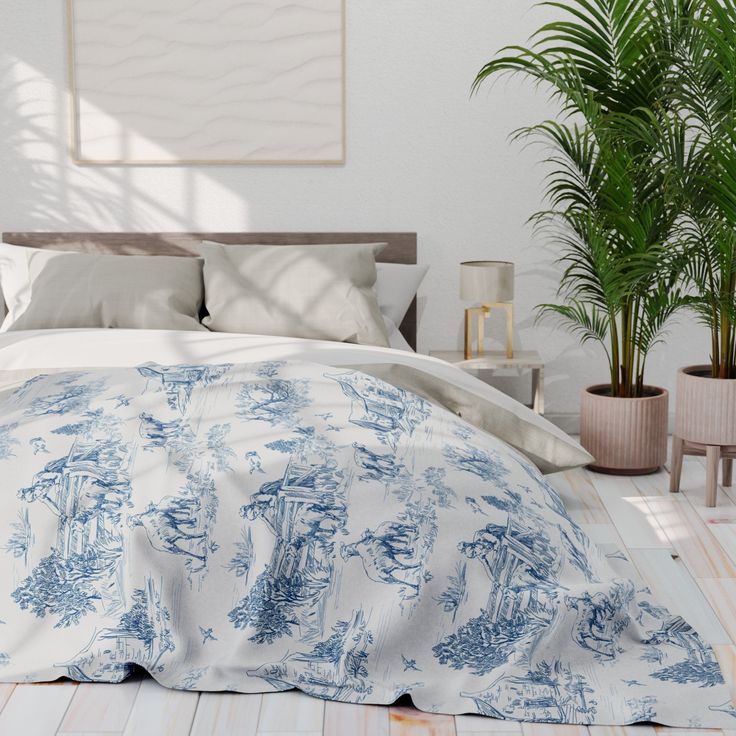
(396, 286)
(47, 289)
(320, 292)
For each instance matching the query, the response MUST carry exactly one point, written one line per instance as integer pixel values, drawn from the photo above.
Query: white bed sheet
(98, 348)
(39, 350)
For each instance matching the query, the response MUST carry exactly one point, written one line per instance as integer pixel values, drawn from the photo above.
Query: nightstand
(523, 360)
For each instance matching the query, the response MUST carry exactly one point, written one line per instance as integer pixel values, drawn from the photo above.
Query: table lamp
(492, 284)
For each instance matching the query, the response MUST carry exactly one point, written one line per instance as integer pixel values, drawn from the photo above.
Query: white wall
(422, 156)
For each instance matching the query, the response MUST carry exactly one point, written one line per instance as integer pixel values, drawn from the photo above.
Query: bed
(256, 513)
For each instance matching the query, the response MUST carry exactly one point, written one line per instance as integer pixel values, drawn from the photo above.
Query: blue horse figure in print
(601, 618)
(389, 554)
(190, 452)
(173, 525)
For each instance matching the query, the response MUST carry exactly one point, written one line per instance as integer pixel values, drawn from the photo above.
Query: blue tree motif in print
(142, 635)
(62, 586)
(69, 399)
(269, 368)
(179, 381)
(510, 502)
(7, 441)
(700, 665)
(242, 561)
(334, 668)
(4, 659)
(304, 510)
(482, 644)
(601, 618)
(22, 538)
(307, 443)
(390, 412)
(275, 401)
(456, 593)
(435, 478)
(463, 431)
(92, 423)
(485, 465)
(551, 693)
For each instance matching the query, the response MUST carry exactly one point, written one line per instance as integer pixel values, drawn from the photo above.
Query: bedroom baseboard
(570, 423)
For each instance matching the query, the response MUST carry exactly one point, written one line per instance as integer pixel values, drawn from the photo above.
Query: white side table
(523, 360)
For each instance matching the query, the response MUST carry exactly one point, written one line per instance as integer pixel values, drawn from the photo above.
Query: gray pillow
(46, 289)
(321, 292)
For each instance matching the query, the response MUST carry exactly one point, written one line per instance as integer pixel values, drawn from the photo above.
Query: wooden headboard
(402, 248)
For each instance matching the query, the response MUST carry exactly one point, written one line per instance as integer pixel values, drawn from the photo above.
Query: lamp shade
(487, 282)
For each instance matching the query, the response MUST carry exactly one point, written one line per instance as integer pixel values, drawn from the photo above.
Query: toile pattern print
(290, 525)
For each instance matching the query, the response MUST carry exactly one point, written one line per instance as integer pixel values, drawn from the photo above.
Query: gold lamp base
(482, 313)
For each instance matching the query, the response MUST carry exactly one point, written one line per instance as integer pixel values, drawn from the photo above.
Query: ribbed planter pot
(625, 436)
(705, 411)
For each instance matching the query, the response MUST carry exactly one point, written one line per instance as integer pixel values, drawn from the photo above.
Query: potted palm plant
(704, 88)
(611, 212)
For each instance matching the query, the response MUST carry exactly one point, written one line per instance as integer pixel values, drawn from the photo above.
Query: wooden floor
(685, 552)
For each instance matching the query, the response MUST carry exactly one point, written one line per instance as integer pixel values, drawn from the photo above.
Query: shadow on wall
(42, 189)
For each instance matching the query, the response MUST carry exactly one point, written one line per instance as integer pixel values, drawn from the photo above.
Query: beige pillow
(46, 289)
(322, 292)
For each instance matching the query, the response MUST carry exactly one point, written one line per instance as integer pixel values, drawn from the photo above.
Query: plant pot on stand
(625, 436)
(705, 425)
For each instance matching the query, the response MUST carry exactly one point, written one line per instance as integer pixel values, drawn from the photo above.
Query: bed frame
(402, 248)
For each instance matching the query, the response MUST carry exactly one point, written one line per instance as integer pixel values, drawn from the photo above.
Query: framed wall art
(207, 81)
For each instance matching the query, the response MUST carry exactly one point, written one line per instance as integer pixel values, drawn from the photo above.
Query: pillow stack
(323, 292)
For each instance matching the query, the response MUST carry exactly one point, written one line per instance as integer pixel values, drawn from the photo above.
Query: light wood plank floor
(685, 552)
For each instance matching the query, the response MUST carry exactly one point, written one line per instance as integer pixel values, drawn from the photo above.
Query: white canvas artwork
(207, 81)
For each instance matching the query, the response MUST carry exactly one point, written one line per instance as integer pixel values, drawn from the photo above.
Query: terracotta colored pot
(625, 436)
(705, 407)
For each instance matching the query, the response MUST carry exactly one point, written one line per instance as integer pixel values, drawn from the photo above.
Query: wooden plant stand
(713, 454)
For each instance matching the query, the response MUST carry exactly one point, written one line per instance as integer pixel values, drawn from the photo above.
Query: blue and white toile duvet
(280, 525)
